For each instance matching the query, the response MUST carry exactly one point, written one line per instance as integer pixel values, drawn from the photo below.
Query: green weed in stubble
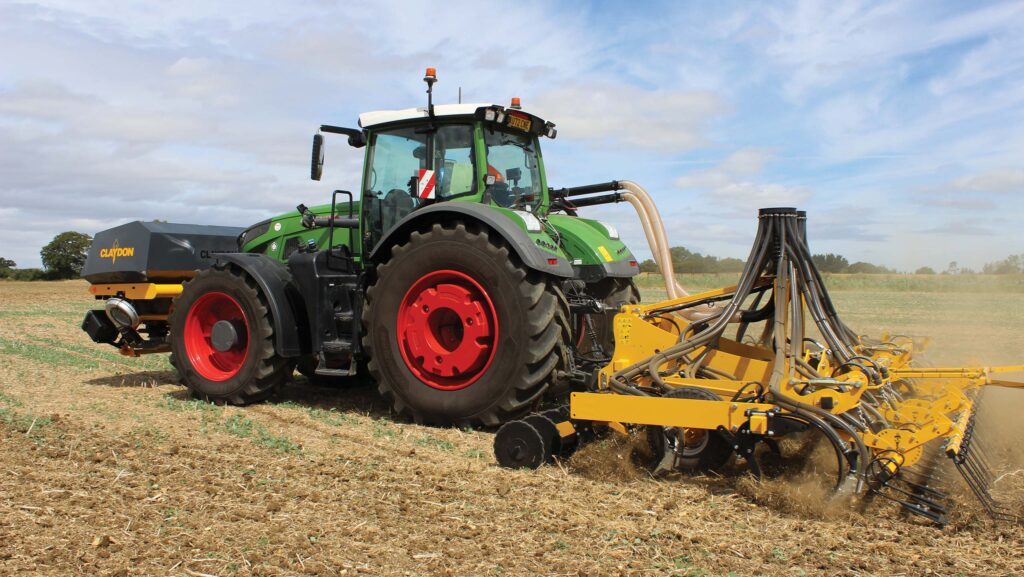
(172, 403)
(24, 422)
(330, 417)
(106, 354)
(44, 355)
(244, 428)
(431, 441)
(327, 416)
(382, 430)
(10, 401)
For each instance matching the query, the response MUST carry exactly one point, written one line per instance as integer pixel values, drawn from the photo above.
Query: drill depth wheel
(687, 450)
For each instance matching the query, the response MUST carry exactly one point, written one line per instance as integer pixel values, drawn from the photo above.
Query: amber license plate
(519, 122)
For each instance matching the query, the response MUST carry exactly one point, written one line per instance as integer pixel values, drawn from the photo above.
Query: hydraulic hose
(754, 263)
(654, 232)
(657, 240)
(784, 275)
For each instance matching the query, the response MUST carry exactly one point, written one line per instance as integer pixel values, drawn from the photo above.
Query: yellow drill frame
(940, 410)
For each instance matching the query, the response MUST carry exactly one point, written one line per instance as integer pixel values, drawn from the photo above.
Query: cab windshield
(513, 171)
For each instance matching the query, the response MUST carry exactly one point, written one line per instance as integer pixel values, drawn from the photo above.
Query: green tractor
(468, 289)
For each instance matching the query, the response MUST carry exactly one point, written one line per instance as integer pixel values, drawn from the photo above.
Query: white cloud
(746, 161)
(998, 57)
(972, 226)
(824, 43)
(668, 121)
(1000, 180)
(731, 184)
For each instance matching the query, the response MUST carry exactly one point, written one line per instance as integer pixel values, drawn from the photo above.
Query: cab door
(410, 167)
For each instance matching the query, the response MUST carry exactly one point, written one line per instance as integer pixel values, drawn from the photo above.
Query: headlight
(613, 233)
(489, 115)
(532, 222)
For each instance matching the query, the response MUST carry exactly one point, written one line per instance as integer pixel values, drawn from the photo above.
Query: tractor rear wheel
(459, 332)
(222, 339)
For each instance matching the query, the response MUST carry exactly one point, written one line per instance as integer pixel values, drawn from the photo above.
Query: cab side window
(453, 160)
(395, 160)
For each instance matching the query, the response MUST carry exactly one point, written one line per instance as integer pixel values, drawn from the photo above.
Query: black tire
(249, 380)
(613, 292)
(173, 361)
(529, 313)
(709, 452)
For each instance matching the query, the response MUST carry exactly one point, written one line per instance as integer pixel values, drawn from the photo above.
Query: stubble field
(108, 468)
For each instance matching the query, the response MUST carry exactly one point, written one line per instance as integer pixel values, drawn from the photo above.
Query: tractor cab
(481, 153)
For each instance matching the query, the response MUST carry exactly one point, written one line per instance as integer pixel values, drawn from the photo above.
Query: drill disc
(548, 433)
(518, 445)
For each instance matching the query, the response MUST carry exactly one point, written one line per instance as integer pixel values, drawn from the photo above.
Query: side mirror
(317, 167)
(514, 174)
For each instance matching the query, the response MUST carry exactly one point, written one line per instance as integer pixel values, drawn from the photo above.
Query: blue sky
(899, 126)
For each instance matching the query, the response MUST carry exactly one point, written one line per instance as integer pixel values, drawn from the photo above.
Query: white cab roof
(368, 119)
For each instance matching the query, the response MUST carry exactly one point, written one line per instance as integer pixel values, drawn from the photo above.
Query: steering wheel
(502, 194)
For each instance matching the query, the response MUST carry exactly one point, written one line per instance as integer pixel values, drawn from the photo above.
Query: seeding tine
(917, 498)
(912, 502)
(920, 489)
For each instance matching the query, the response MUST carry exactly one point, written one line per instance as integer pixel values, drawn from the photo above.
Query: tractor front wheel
(459, 332)
(222, 339)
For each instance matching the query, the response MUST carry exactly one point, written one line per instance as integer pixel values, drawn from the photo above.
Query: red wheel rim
(447, 330)
(210, 363)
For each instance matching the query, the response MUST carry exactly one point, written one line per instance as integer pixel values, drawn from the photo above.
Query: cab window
(513, 169)
(453, 151)
(395, 159)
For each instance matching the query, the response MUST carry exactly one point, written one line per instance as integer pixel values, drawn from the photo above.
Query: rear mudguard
(287, 309)
(534, 247)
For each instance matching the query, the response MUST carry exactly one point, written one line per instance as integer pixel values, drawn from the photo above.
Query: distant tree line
(63, 258)
(687, 261)
(1013, 264)
(834, 263)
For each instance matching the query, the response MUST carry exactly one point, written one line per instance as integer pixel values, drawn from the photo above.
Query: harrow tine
(982, 456)
(935, 516)
(976, 470)
(974, 463)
